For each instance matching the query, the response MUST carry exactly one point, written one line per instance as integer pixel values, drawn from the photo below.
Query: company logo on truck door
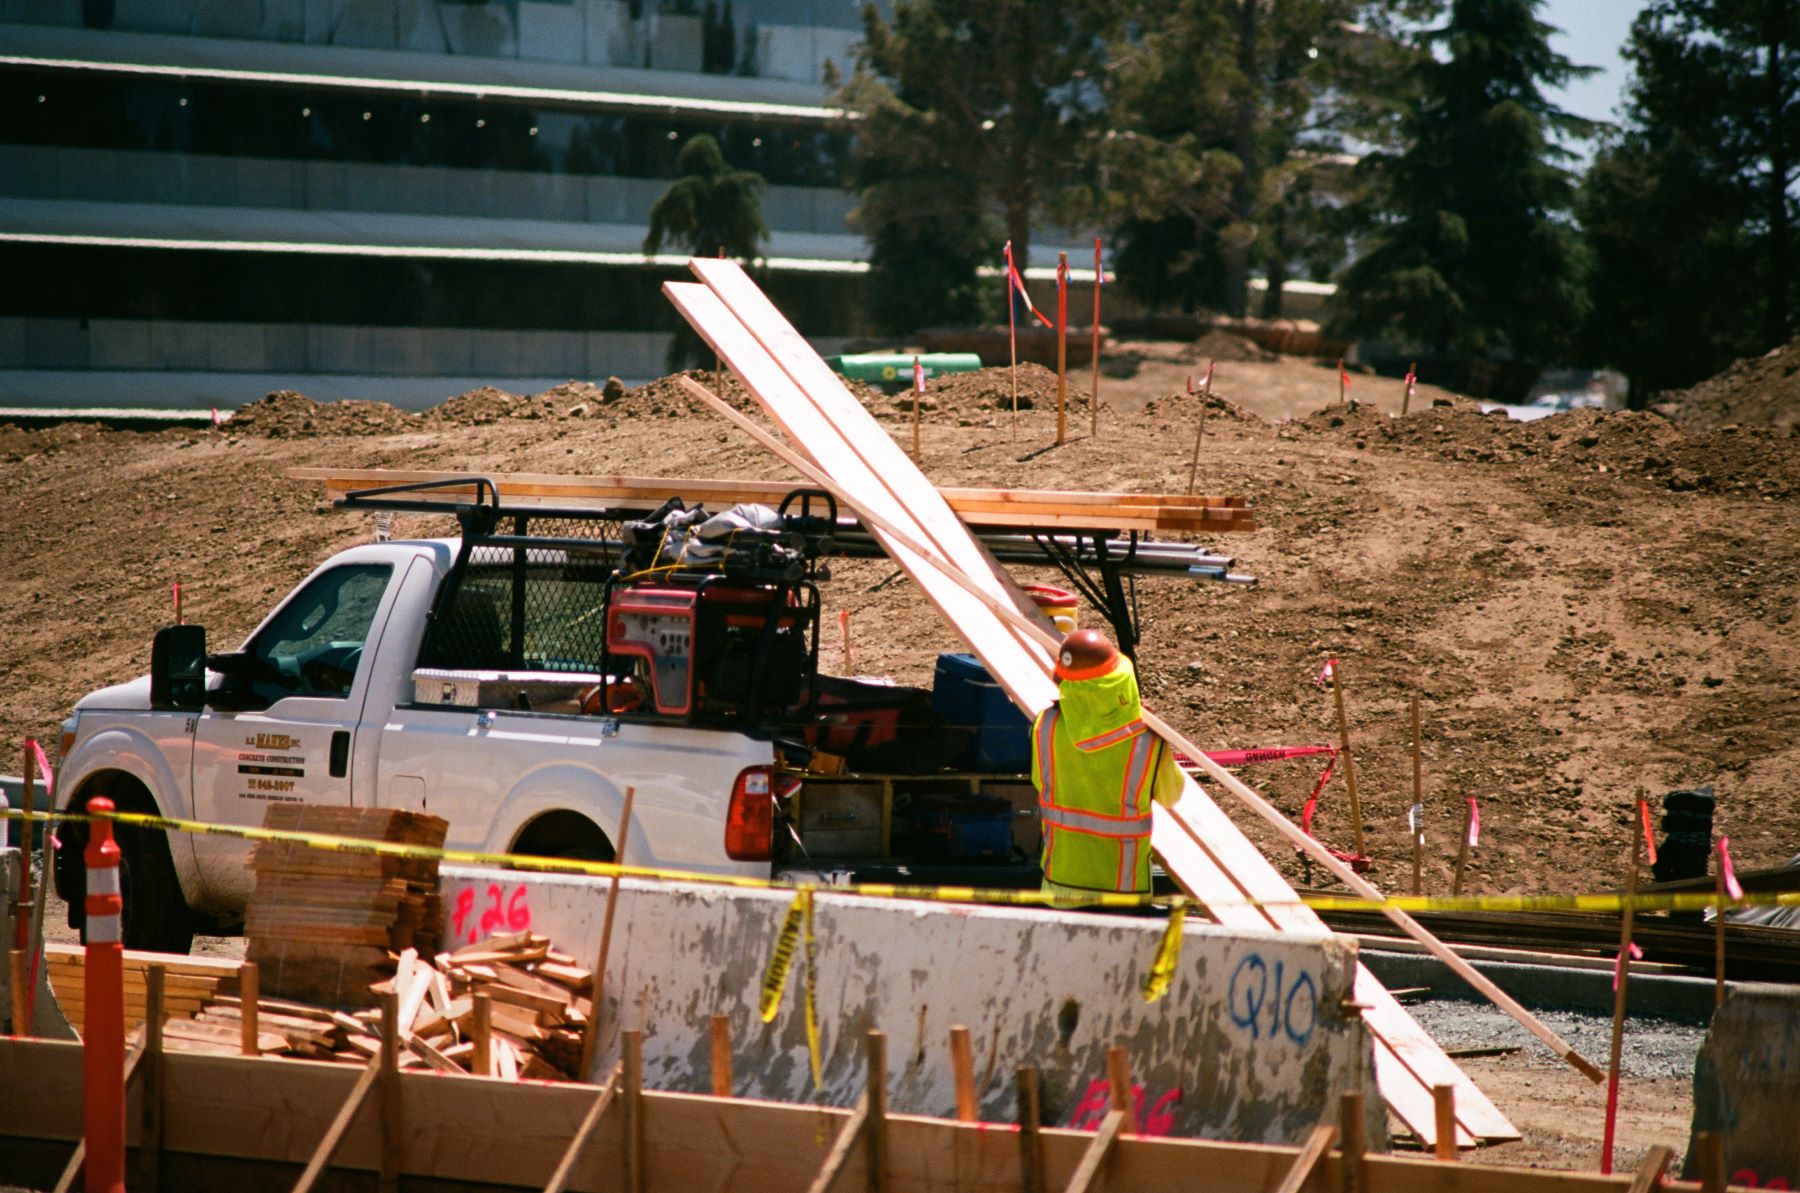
(272, 741)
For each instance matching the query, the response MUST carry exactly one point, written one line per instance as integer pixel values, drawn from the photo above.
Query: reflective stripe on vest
(1128, 831)
(1101, 741)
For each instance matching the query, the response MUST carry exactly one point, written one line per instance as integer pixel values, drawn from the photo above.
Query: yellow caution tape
(812, 999)
(1696, 901)
(775, 978)
(1168, 953)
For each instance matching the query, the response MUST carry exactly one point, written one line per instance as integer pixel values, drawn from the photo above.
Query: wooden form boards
(1018, 508)
(476, 1130)
(1198, 843)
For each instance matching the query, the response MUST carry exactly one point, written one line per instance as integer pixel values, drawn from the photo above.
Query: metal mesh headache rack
(606, 599)
(526, 531)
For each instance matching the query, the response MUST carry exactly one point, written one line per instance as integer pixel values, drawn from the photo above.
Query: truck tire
(156, 914)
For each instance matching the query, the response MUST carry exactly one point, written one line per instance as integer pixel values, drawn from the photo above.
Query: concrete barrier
(47, 1019)
(1250, 1043)
(1747, 1087)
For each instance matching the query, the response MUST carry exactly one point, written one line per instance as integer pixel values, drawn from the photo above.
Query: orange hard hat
(1085, 654)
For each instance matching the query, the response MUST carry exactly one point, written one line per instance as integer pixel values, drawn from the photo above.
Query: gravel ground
(1651, 1048)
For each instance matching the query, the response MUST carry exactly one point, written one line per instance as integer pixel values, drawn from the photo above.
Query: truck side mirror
(178, 668)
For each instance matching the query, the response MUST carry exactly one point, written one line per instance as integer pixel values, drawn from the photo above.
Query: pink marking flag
(1732, 887)
(1637, 954)
(1325, 673)
(918, 376)
(43, 765)
(1018, 283)
(1474, 823)
(1649, 834)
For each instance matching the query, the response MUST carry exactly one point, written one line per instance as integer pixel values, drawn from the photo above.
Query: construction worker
(1096, 768)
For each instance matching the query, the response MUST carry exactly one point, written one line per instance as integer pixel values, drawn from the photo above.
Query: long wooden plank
(649, 488)
(1014, 661)
(902, 481)
(1193, 864)
(992, 515)
(1191, 860)
(1011, 661)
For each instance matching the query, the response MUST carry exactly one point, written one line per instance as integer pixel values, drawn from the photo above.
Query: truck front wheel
(156, 915)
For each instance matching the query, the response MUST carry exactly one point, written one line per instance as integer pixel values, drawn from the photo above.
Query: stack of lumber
(537, 1010)
(324, 925)
(1008, 508)
(188, 982)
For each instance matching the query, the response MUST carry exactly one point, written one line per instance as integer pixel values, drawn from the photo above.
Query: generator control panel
(657, 625)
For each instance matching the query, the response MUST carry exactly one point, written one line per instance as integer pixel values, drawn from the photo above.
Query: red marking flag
(1206, 385)
(918, 376)
(1343, 375)
(1649, 835)
(1412, 384)
(1018, 284)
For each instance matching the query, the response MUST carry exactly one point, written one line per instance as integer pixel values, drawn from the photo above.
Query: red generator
(718, 649)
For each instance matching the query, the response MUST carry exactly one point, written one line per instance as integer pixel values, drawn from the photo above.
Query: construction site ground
(1585, 604)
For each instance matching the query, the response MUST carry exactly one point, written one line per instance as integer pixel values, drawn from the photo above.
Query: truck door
(308, 680)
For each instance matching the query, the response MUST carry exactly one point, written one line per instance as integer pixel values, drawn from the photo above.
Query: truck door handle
(340, 753)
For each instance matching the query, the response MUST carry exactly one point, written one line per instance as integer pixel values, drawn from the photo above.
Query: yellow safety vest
(1094, 799)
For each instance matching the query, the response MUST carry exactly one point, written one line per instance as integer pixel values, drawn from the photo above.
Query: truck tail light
(750, 820)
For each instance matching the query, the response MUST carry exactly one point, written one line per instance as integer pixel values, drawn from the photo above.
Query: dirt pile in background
(1763, 391)
(287, 414)
(1585, 603)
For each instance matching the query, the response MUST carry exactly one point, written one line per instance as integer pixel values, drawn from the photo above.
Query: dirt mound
(980, 394)
(1626, 447)
(486, 405)
(1760, 392)
(288, 414)
(1225, 345)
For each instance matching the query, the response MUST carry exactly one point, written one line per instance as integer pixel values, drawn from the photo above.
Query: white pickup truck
(515, 681)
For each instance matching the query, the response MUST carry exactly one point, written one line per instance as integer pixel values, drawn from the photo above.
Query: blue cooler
(966, 697)
(964, 828)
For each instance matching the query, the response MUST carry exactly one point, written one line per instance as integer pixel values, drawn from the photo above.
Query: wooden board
(812, 406)
(460, 1129)
(1069, 509)
(1013, 662)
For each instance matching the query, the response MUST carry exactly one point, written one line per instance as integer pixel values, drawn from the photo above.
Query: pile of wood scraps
(510, 1007)
(325, 925)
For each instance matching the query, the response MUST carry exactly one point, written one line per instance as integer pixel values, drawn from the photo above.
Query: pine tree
(1229, 118)
(1690, 208)
(1467, 243)
(972, 113)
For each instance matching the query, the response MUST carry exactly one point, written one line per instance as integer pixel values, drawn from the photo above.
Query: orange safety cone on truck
(103, 1047)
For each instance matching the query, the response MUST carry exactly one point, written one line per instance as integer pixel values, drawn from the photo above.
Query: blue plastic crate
(966, 697)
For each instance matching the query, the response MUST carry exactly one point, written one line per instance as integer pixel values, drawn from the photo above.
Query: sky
(1593, 33)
